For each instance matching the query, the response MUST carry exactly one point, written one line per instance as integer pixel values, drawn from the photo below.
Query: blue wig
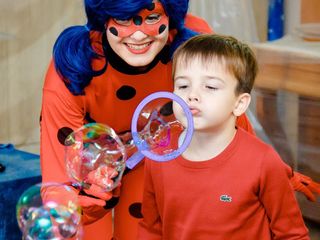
(73, 53)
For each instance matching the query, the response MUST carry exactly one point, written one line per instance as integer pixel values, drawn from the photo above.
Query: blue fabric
(19, 164)
(275, 19)
(22, 171)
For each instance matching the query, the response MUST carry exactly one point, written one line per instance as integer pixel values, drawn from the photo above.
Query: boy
(228, 184)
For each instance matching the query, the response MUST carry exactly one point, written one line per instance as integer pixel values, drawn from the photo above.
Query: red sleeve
(150, 228)
(61, 113)
(197, 24)
(278, 199)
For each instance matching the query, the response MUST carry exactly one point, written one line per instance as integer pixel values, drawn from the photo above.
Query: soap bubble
(49, 211)
(95, 154)
(156, 131)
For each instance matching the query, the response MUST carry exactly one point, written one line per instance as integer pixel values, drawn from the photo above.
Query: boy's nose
(193, 97)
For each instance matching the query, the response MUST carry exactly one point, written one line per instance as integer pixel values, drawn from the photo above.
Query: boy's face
(209, 91)
(139, 39)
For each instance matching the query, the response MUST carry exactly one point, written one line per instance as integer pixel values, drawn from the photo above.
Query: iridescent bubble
(95, 154)
(158, 128)
(49, 211)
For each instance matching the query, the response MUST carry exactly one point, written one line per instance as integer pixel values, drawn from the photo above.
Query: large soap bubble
(49, 211)
(94, 152)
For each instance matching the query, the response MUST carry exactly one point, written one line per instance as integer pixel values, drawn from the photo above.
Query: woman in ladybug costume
(99, 73)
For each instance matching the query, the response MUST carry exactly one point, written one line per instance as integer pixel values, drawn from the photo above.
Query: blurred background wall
(28, 29)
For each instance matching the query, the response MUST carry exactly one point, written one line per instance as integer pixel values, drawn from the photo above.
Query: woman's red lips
(138, 48)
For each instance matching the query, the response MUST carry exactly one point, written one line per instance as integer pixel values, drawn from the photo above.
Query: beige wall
(260, 9)
(240, 18)
(28, 29)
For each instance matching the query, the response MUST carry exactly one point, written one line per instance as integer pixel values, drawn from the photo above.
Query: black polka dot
(151, 7)
(111, 203)
(166, 110)
(135, 210)
(113, 31)
(63, 133)
(137, 20)
(88, 118)
(40, 118)
(126, 92)
(162, 28)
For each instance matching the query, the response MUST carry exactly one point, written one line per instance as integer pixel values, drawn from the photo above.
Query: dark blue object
(22, 170)
(275, 19)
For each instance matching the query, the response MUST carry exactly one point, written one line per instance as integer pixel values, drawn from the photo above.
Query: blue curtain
(275, 19)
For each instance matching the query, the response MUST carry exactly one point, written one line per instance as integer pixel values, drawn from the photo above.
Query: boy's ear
(242, 104)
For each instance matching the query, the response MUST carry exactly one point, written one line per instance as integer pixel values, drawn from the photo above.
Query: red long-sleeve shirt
(243, 193)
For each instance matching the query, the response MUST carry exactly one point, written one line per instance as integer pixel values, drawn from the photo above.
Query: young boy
(228, 184)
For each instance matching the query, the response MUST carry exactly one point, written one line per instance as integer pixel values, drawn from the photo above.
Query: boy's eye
(123, 22)
(153, 18)
(211, 88)
(182, 87)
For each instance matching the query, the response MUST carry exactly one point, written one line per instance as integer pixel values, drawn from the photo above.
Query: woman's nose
(138, 35)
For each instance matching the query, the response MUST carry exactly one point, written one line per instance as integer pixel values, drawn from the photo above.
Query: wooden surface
(293, 70)
(288, 106)
(28, 30)
(280, 71)
(310, 11)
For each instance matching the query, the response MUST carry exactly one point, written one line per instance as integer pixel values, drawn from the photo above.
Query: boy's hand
(305, 185)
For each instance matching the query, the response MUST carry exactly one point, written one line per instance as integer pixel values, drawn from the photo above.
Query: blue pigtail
(177, 11)
(183, 35)
(73, 53)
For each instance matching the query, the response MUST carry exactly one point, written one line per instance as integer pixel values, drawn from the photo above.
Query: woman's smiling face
(139, 39)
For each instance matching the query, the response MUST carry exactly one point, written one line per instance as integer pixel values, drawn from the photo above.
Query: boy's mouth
(194, 111)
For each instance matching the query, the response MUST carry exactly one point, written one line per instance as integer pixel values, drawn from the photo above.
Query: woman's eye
(153, 18)
(122, 22)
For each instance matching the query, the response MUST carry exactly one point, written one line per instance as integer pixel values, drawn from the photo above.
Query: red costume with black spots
(110, 96)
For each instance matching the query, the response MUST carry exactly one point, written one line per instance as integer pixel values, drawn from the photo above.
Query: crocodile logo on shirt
(225, 198)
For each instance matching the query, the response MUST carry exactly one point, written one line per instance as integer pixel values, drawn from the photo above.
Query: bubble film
(49, 211)
(156, 131)
(95, 154)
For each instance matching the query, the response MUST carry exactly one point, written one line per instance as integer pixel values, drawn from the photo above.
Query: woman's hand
(97, 185)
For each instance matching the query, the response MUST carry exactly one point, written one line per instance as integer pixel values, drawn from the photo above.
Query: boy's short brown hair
(238, 58)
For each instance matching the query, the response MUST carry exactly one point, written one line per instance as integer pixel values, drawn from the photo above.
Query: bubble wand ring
(142, 145)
